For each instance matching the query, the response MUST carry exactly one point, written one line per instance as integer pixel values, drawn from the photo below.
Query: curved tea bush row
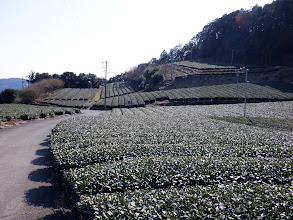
(165, 172)
(27, 112)
(205, 94)
(83, 154)
(115, 89)
(70, 103)
(222, 201)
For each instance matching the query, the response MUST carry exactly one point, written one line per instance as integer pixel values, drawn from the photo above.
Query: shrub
(157, 78)
(29, 95)
(8, 96)
(138, 83)
(47, 85)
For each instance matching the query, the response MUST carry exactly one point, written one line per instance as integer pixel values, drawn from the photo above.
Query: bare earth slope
(26, 190)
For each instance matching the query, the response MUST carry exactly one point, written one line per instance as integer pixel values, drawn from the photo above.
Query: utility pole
(105, 83)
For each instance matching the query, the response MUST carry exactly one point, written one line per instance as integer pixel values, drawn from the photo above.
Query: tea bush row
(222, 201)
(27, 112)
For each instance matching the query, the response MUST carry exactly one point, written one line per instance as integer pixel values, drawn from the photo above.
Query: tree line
(259, 36)
(70, 79)
(42, 85)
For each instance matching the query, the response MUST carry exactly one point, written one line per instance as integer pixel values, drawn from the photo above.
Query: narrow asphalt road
(26, 187)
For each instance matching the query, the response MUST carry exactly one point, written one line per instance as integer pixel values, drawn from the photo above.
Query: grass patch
(275, 123)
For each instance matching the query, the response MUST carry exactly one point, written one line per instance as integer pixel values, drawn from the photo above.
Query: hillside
(187, 74)
(12, 83)
(258, 38)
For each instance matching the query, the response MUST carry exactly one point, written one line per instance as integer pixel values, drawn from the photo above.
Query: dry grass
(98, 94)
(39, 90)
(11, 123)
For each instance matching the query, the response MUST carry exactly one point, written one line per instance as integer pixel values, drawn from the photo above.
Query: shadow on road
(42, 161)
(42, 196)
(41, 175)
(43, 152)
(59, 215)
(48, 194)
(45, 143)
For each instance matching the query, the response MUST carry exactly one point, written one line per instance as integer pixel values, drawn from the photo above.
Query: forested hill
(261, 36)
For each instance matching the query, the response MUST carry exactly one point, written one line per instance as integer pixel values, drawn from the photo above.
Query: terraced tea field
(189, 67)
(203, 66)
(71, 97)
(177, 162)
(229, 93)
(115, 89)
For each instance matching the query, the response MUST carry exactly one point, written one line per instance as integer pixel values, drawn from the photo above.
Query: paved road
(26, 189)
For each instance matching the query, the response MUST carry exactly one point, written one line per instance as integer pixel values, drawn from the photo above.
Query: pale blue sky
(55, 36)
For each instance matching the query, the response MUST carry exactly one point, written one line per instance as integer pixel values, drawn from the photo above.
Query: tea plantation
(72, 97)
(183, 162)
(217, 94)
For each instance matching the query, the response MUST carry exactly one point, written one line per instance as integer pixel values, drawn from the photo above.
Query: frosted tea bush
(177, 162)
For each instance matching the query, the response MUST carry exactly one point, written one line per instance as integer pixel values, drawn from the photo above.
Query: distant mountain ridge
(12, 83)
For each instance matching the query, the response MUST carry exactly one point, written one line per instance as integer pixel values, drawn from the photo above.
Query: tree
(69, 79)
(164, 57)
(35, 76)
(175, 52)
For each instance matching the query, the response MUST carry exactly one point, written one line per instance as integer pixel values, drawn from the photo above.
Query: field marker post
(237, 82)
(245, 99)
(105, 83)
(120, 93)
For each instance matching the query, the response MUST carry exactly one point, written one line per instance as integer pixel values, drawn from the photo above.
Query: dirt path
(26, 189)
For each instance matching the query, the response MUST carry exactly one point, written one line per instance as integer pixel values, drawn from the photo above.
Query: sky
(55, 36)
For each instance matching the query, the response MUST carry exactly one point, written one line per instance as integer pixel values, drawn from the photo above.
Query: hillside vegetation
(259, 36)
